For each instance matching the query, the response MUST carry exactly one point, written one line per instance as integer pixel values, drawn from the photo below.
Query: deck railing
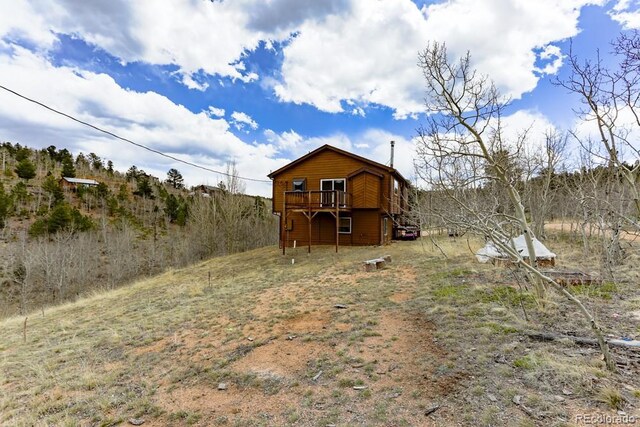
(317, 199)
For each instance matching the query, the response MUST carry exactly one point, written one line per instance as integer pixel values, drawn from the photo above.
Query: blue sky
(261, 82)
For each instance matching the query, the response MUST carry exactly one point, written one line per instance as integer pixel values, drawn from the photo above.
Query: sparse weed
(527, 362)
(605, 291)
(611, 397)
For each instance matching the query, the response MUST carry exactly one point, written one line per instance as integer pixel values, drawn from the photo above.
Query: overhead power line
(99, 129)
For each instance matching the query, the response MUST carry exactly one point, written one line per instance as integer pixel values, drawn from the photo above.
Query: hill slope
(422, 332)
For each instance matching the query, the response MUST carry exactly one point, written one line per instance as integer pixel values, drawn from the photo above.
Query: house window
(385, 226)
(395, 186)
(344, 226)
(299, 184)
(339, 184)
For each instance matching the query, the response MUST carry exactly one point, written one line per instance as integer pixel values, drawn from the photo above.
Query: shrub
(61, 217)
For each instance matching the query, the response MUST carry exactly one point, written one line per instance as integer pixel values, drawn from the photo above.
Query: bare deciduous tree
(462, 152)
(609, 98)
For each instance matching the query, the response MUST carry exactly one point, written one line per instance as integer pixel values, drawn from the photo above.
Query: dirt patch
(400, 297)
(156, 347)
(218, 406)
(307, 323)
(404, 352)
(283, 358)
(624, 235)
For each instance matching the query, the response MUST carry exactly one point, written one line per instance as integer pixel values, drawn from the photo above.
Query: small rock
(292, 337)
(567, 392)
(250, 338)
(222, 386)
(431, 410)
(136, 421)
(517, 399)
(499, 358)
(359, 387)
(492, 398)
(340, 306)
(559, 398)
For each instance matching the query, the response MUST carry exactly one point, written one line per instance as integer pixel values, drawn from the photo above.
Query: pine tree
(174, 178)
(144, 188)
(51, 186)
(25, 169)
(5, 205)
(171, 207)
(68, 169)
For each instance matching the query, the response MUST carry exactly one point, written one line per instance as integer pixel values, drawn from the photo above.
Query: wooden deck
(311, 203)
(317, 201)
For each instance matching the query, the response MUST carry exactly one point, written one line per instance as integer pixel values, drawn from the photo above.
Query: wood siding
(365, 229)
(372, 198)
(365, 191)
(326, 165)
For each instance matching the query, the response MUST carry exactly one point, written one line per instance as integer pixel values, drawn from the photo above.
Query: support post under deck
(284, 222)
(310, 218)
(337, 202)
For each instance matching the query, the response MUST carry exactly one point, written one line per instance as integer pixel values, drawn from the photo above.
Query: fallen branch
(540, 336)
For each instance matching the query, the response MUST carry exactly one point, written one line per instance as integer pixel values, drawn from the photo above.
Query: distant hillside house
(331, 196)
(73, 183)
(205, 190)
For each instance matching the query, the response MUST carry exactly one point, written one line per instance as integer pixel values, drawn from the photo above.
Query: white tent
(490, 251)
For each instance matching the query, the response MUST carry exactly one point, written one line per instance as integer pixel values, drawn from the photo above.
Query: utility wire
(186, 162)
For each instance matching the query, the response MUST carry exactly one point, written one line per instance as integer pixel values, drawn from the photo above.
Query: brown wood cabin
(73, 183)
(333, 197)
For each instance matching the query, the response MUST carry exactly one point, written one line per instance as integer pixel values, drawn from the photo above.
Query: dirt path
(557, 226)
(300, 359)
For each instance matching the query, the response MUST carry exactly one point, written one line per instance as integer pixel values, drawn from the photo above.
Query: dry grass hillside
(264, 344)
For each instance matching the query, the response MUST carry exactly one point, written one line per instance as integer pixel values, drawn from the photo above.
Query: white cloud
(189, 82)
(626, 127)
(358, 111)
(241, 120)
(372, 144)
(360, 52)
(533, 123)
(502, 36)
(20, 20)
(196, 36)
(554, 55)
(369, 54)
(284, 141)
(626, 13)
(215, 112)
(146, 118)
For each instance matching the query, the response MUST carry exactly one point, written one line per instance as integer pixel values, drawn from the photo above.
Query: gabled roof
(363, 170)
(328, 147)
(82, 181)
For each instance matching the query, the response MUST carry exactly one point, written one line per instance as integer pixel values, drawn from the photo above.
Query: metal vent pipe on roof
(393, 143)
